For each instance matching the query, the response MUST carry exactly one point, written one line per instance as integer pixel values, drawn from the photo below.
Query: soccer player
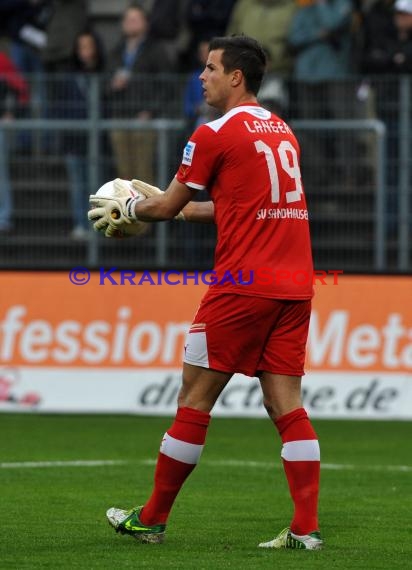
(248, 161)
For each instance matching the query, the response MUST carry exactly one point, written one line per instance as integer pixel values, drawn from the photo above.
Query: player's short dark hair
(244, 53)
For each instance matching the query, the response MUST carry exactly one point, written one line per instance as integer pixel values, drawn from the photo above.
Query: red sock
(180, 451)
(301, 461)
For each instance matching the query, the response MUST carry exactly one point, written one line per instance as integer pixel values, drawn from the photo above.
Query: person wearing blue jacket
(319, 38)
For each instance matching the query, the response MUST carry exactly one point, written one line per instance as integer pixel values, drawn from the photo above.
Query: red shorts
(238, 333)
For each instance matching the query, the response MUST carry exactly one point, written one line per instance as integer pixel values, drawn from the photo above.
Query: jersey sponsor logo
(188, 153)
(282, 214)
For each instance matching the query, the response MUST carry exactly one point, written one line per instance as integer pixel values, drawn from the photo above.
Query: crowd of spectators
(318, 44)
(309, 40)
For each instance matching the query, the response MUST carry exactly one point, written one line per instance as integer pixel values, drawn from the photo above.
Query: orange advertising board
(361, 323)
(48, 321)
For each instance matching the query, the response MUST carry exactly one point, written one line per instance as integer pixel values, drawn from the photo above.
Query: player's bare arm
(177, 198)
(200, 212)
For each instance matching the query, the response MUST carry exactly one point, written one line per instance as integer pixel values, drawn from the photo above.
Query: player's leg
(179, 453)
(300, 455)
(183, 442)
(221, 317)
(282, 363)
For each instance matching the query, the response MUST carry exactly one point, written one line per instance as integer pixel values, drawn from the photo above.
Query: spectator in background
(205, 19)
(73, 96)
(24, 21)
(388, 50)
(131, 96)
(388, 37)
(68, 19)
(320, 40)
(14, 95)
(267, 21)
(165, 22)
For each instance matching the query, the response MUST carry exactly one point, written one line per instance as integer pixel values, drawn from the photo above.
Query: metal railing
(378, 128)
(94, 127)
(360, 222)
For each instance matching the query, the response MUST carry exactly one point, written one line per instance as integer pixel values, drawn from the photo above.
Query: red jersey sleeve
(199, 161)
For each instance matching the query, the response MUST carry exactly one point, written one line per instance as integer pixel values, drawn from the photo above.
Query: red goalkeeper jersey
(248, 161)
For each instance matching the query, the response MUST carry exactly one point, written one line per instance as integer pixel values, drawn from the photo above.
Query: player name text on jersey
(259, 126)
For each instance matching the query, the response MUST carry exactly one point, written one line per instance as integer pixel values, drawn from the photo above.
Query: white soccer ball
(108, 190)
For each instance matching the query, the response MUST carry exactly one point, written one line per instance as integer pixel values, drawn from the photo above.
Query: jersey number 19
(286, 151)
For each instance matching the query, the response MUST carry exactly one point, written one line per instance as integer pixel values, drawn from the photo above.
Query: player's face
(216, 83)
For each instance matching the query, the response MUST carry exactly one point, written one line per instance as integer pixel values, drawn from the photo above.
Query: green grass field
(54, 516)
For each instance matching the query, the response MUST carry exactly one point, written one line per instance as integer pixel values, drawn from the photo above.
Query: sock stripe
(180, 450)
(303, 450)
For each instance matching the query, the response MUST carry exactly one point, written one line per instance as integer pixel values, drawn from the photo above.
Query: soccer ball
(109, 190)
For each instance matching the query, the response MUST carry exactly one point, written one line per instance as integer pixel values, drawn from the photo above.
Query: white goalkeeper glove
(110, 213)
(148, 191)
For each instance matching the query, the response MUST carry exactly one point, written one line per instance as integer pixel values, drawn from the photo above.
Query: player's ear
(237, 77)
